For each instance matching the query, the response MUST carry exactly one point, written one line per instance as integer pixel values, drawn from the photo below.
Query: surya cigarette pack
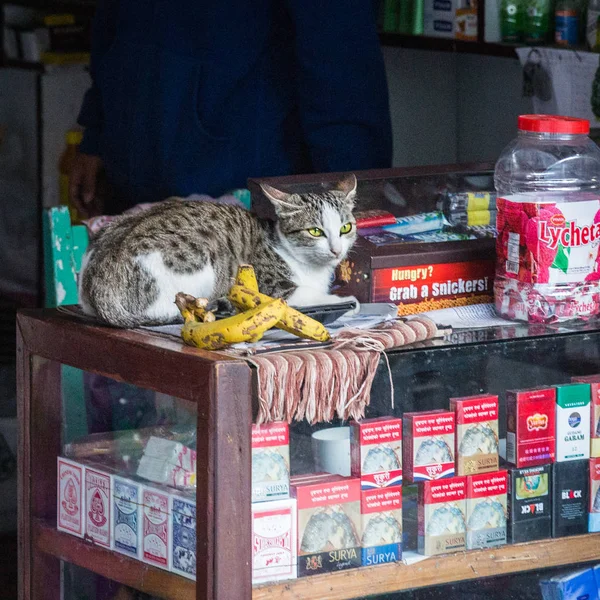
(530, 423)
(376, 452)
(270, 462)
(381, 538)
(70, 497)
(570, 497)
(428, 445)
(329, 523)
(486, 510)
(529, 504)
(594, 381)
(476, 448)
(572, 422)
(155, 527)
(441, 516)
(594, 506)
(182, 534)
(274, 540)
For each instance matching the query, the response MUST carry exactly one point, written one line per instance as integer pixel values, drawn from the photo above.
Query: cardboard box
(127, 517)
(441, 516)
(376, 452)
(486, 510)
(98, 504)
(476, 448)
(182, 534)
(274, 541)
(270, 462)
(70, 497)
(572, 422)
(155, 527)
(594, 381)
(329, 523)
(570, 493)
(529, 504)
(429, 439)
(530, 426)
(381, 538)
(594, 506)
(438, 18)
(577, 585)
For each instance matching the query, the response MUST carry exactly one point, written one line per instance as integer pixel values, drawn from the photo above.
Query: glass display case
(94, 395)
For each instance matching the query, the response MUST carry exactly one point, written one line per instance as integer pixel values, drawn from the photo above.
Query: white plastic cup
(331, 450)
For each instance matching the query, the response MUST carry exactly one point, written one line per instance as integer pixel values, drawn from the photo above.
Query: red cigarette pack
(530, 426)
(476, 448)
(429, 439)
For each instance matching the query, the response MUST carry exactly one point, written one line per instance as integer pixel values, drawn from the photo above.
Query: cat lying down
(135, 267)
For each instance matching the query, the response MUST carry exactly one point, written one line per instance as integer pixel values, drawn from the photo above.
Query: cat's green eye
(347, 228)
(316, 232)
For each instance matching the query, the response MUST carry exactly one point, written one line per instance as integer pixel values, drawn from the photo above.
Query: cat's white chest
(318, 279)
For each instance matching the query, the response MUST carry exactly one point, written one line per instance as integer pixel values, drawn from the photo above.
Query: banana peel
(292, 321)
(194, 309)
(247, 326)
(246, 277)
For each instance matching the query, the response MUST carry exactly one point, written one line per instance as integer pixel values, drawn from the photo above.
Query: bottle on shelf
(536, 21)
(592, 30)
(511, 20)
(566, 23)
(65, 165)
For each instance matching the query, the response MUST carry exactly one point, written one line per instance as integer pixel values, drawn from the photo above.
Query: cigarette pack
(163, 472)
(182, 534)
(70, 482)
(529, 504)
(570, 493)
(270, 462)
(381, 511)
(127, 516)
(428, 445)
(274, 540)
(486, 510)
(172, 452)
(476, 447)
(594, 381)
(572, 422)
(530, 435)
(577, 585)
(594, 519)
(98, 506)
(376, 452)
(441, 516)
(155, 527)
(329, 523)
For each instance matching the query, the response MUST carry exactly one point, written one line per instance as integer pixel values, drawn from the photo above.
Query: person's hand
(83, 184)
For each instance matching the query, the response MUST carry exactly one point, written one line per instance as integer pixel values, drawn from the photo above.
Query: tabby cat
(135, 267)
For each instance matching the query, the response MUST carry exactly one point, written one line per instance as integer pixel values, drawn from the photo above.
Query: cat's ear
(282, 201)
(348, 187)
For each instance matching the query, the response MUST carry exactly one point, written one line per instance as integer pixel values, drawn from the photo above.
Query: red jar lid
(553, 124)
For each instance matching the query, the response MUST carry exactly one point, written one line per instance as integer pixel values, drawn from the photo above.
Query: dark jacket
(195, 96)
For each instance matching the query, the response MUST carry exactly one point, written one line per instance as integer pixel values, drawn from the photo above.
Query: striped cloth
(322, 383)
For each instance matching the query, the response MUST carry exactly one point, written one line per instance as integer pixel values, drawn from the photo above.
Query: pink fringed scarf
(319, 384)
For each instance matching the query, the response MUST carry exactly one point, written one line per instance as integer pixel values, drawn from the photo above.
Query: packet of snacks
(548, 267)
(329, 522)
(476, 433)
(594, 381)
(442, 508)
(486, 510)
(270, 461)
(376, 452)
(429, 439)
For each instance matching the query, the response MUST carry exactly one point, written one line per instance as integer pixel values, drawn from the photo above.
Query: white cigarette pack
(70, 478)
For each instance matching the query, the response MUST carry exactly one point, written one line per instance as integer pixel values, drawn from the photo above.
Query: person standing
(195, 97)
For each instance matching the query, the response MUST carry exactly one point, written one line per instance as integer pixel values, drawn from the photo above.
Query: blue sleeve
(341, 84)
(90, 115)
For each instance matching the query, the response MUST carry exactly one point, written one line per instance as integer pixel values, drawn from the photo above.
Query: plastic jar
(548, 221)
